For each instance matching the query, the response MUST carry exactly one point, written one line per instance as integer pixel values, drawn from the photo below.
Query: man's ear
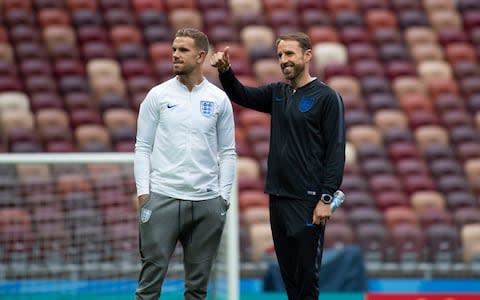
(202, 54)
(308, 55)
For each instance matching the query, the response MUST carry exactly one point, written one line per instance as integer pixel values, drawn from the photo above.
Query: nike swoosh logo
(171, 105)
(223, 213)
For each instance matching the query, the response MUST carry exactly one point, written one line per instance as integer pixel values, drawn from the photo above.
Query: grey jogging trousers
(198, 225)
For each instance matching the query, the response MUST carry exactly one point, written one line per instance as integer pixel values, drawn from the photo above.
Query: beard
(296, 69)
(182, 69)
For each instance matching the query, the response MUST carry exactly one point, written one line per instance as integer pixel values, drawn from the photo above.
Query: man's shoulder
(162, 86)
(215, 90)
(325, 89)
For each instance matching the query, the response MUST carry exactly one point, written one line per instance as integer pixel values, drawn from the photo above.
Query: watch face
(326, 198)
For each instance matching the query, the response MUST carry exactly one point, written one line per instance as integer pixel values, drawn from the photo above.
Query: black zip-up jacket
(307, 137)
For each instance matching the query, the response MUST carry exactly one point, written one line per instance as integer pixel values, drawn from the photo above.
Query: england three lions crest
(306, 103)
(207, 108)
(145, 215)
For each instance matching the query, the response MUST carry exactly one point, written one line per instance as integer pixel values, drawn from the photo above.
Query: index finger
(226, 56)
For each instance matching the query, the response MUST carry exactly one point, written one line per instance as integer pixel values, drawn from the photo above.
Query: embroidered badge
(145, 215)
(305, 104)
(207, 108)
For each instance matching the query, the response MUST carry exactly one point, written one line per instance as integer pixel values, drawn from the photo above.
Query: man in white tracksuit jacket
(184, 169)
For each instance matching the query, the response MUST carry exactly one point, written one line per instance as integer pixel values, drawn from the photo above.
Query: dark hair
(302, 39)
(200, 39)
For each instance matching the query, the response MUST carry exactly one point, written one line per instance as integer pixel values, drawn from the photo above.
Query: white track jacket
(185, 146)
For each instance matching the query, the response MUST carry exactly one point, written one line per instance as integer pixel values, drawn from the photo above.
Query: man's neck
(301, 81)
(190, 80)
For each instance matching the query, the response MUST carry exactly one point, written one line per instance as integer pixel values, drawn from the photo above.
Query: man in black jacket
(306, 159)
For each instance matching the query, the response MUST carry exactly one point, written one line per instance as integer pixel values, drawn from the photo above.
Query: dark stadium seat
(123, 238)
(434, 152)
(16, 136)
(382, 36)
(35, 66)
(376, 166)
(365, 215)
(92, 33)
(371, 151)
(48, 4)
(205, 5)
(86, 18)
(92, 50)
(403, 150)
(375, 85)
(357, 117)
(348, 18)
(364, 69)
(222, 34)
(88, 244)
(358, 199)
(445, 166)
(336, 69)
(412, 18)
(366, 5)
(471, 19)
(397, 135)
(467, 150)
(380, 101)
(418, 182)
(408, 243)
(464, 133)
(442, 242)
(279, 18)
(411, 167)
(387, 199)
(444, 103)
(354, 183)
(78, 200)
(452, 183)
(396, 69)
(338, 235)
(313, 17)
(362, 51)
(433, 216)
(466, 215)
(17, 244)
(372, 239)
(118, 17)
(18, 16)
(468, 5)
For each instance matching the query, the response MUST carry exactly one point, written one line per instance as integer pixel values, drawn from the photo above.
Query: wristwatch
(326, 198)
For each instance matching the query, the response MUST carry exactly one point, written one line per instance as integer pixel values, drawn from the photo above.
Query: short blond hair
(200, 39)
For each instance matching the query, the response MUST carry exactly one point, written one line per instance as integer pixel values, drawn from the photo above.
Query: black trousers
(298, 246)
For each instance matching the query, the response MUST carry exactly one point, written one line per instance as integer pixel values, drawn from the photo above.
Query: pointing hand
(221, 60)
